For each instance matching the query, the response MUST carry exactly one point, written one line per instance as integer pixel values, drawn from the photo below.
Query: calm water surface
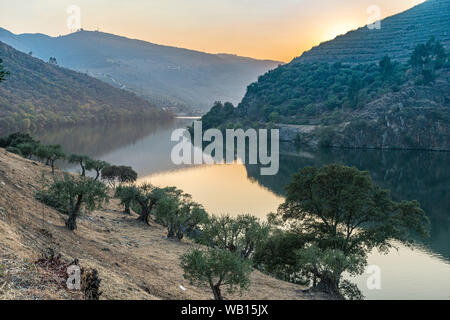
(422, 273)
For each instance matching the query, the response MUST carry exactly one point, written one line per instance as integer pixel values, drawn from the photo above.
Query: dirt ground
(134, 261)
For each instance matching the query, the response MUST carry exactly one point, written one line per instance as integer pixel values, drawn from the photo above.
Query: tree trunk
(127, 209)
(216, 291)
(71, 223)
(145, 211)
(83, 170)
(170, 230)
(330, 286)
(144, 215)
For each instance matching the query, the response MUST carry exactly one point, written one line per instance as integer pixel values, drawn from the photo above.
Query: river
(422, 273)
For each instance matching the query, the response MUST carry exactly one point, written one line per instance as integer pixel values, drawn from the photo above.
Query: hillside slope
(164, 75)
(134, 261)
(38, 94)
(373, 101)
(398, 36)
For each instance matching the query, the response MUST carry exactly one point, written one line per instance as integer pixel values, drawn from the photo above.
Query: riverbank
(134, 261)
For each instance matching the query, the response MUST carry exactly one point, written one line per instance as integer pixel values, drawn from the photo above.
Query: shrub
(216, 268)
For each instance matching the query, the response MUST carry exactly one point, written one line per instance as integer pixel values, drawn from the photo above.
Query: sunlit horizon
(276, 30)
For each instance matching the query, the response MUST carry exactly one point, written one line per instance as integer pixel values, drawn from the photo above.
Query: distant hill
(398, 36)
(341, 94)
(164, 75)
(37, 94)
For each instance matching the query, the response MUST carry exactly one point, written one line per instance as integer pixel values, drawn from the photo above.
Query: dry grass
(134, 261)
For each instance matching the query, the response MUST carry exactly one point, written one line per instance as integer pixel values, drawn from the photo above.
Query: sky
(264, 29)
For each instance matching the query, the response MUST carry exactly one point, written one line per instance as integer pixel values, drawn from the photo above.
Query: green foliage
(50, 154)
(387, 68)
(70, 193)
(3, 73)
(218, 114)
(217, 268)
(341, 215)
(179, 213)
(326, 138)
(427, 58)
(27, 149)
(97, 166)
(81, 160)
(171, 207)
(143, 197)
(127, 195)
(14, 139)
(313, 93)
(276, 256)
(38, 95)
(14, 150)
(240, 235)
(120, 174)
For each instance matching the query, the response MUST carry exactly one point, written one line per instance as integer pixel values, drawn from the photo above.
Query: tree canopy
(217, 268)
(71, 193)
(340, 216)
(3, 73)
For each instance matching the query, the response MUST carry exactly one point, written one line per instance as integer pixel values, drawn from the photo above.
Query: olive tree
(342, 215)
(97, 166)
(120, 174)
(17, 138)
(277, 256)
(76, 192)
(216, 268)
(81, 160)
(179, 213)
(144, 197)
(50, 154)
(27, 149)
(241, 234)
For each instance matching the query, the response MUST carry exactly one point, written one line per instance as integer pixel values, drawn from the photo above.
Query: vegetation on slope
(342, 101)
(37, 94)
(333, 217)
(398, 35)
(165, 76)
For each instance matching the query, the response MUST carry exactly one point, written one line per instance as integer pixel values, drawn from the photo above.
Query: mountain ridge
(37, 94)
(386, 97)
(165, 75)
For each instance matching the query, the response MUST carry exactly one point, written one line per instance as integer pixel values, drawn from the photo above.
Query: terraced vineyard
(398, 36)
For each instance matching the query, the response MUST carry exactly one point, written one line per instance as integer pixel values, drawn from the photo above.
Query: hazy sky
(269, 29)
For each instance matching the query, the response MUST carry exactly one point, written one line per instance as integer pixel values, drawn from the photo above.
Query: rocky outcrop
(416, 117)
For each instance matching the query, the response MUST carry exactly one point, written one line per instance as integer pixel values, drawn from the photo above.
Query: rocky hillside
(37, 94)
(398, 36)
(166, 76)
(134, 261)
(360, 90)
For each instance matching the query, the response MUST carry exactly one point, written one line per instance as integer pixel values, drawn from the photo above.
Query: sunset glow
(266, 29)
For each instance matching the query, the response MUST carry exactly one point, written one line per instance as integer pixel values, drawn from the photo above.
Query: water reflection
(221, 189)
(239, 188)
(410, 175)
